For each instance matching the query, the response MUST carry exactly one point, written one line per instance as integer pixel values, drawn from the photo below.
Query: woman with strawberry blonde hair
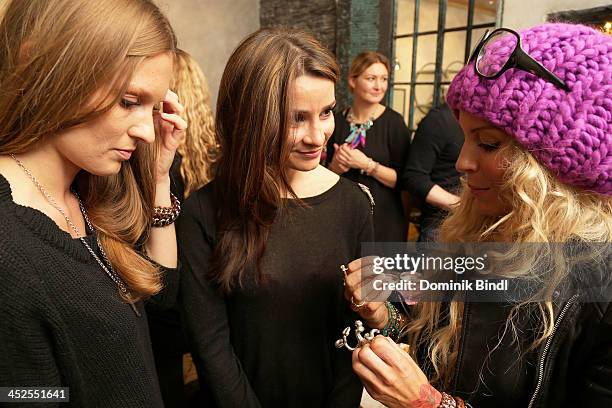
(86, 231)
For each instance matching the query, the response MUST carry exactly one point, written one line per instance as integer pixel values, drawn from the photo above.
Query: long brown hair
(252, 126)
(56, 57)
(199, 149)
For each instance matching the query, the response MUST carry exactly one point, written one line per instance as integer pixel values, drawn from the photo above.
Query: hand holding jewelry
(361, 340)
(359, 291)
(392, 377)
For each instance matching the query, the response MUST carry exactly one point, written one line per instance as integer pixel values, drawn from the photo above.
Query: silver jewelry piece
(361, 340)
(110, 271)
(344, 269)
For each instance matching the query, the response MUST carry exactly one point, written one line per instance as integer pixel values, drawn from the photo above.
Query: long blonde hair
(199, 149)
(54, 57)
(543, 211)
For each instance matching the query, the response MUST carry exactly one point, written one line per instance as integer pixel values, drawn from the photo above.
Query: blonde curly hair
(544, 210)
(199, 149)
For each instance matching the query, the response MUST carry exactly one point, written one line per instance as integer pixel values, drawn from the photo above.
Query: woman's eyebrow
(141, 93)
(482, 128)
(305, 112)
(330, 106)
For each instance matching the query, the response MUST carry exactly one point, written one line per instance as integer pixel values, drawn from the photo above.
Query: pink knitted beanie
(568, 132)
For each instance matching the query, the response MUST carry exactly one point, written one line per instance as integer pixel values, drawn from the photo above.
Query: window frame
(440, 33)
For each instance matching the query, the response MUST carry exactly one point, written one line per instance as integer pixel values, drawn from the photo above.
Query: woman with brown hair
(370, 144)
(262, 290)
(86, 232)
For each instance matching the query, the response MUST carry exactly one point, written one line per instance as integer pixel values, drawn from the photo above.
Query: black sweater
(63, 322)
(433, 153)
(388, 143)
(273, 345)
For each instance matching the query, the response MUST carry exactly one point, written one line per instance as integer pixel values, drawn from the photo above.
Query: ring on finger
(357, 305)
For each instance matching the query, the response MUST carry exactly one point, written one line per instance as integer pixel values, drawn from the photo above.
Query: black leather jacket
(573, 368)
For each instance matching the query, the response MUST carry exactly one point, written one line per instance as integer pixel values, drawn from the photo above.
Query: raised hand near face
(170, 127)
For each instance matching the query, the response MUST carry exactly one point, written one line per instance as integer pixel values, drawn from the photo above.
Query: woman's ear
(351, 84)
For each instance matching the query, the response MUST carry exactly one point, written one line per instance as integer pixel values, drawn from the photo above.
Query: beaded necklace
(357, 137)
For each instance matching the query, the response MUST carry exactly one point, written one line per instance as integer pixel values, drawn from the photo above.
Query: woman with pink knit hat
(535, 107)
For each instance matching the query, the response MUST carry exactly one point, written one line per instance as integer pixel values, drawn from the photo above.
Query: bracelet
(447, 401)
(395, 322)
(374, 169)
(368, 166)
(164, 216)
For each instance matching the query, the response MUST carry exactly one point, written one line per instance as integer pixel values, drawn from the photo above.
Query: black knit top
(388, 143)
(63, 321)
(272, 345)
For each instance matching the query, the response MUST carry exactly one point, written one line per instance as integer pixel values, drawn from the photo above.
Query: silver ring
(357, 305)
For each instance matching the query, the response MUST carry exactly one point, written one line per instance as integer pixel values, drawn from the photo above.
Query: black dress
(388, 143)
(273, 345)
(433, 154)
(63, 322)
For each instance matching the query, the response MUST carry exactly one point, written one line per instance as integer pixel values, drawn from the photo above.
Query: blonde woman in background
(191, 169)
(86, 213)
(371, 142)
(199, 150)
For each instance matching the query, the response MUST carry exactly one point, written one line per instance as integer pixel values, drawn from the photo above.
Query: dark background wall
(345, 27)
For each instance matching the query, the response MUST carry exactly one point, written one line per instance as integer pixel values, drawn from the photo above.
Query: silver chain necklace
(108, 267)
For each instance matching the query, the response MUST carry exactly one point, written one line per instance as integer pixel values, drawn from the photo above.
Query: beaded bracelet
(163, 216)
(394, 322)
(447, 401)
